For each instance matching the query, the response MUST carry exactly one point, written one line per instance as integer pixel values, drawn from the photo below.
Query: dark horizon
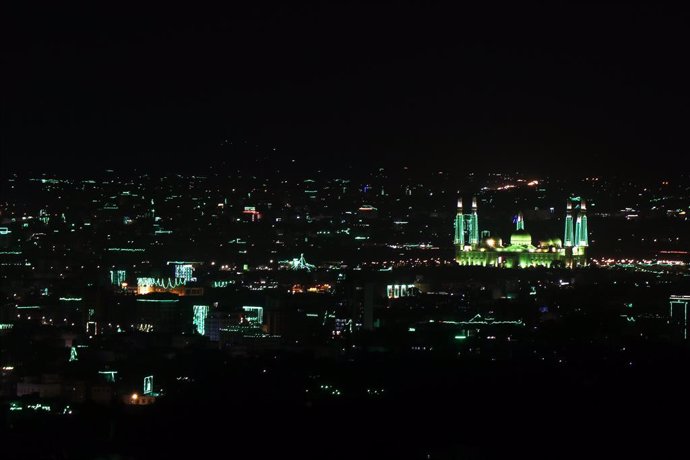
(601, 87)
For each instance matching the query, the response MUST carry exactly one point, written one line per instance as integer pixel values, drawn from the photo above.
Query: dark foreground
(584, 403)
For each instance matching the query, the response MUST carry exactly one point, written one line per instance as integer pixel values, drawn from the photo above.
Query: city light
(274, 210)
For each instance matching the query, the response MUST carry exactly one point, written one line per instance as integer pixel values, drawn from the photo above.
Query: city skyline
(344, 230)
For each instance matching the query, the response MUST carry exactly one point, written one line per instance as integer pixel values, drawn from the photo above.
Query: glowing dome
(521, 238)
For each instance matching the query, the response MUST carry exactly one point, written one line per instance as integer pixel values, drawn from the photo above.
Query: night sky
(561, 87)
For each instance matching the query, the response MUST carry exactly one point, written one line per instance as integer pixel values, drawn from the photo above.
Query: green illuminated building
(254, 315)
(459, 226)
(199, 318)
(520, 252)
(581, 238)
(148, 384)
(474, 223)
(466, 226)
(568, 238)
(117, 277)
(678, 314)
(185, 272)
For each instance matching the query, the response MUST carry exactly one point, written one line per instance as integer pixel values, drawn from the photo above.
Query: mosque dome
(520, 238)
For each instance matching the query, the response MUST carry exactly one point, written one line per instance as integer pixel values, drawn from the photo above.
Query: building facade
(521, 251)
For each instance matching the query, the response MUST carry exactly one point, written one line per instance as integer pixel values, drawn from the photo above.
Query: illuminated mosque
(489, 251)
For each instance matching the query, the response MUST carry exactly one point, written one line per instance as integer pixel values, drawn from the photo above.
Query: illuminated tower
(520, 222)
(459, 225)
(568, 239)
(474, 224)
(581, 238)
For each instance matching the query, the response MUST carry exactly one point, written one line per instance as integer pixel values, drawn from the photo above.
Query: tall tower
(459, 225)
(568, 239)
(520, 222)
(581, 238)
(474, 224)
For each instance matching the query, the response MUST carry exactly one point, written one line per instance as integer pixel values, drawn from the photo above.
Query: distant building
(395, 291)
(47, 386)
(490, 251)
(117, 277)
(162, 313)
(199, 318)
(678, 315)
(179, 286)
(184, 270)
(216, 321)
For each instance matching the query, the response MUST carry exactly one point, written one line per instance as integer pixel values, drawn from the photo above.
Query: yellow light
(135, 396)
(491, 242)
